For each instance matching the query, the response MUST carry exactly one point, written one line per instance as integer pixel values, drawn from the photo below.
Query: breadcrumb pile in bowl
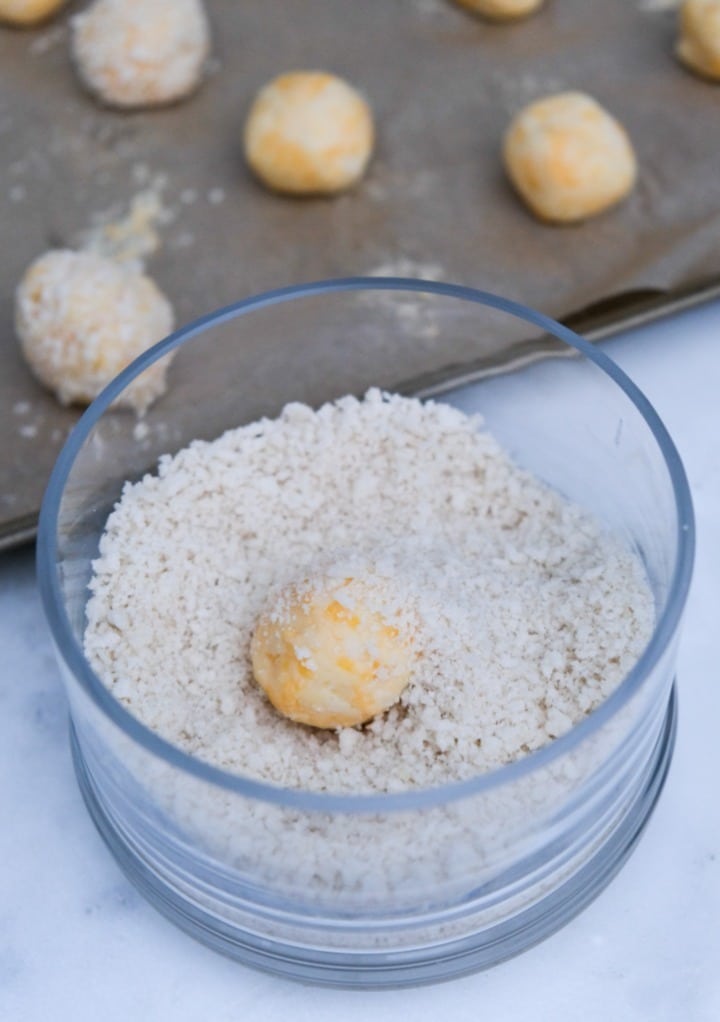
(529, 615)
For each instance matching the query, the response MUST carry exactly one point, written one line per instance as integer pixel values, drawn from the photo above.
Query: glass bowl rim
(72, 654)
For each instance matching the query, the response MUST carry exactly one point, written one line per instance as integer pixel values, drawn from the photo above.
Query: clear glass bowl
(379, 890)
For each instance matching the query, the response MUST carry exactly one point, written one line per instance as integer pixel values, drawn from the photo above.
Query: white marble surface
(77, 942)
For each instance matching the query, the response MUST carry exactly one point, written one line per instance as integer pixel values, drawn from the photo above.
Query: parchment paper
(443, 86)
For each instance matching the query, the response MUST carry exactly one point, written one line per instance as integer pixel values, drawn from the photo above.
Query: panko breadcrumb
(82, 318)
(309, 132)
(135, 53)
(527, 614)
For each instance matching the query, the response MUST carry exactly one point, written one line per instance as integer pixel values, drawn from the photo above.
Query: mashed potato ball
(307, 133)
(502, 10)
(135, 53)
(699, 43)
(333, 652)
(82, 318)
(568, 157)
(28, 12)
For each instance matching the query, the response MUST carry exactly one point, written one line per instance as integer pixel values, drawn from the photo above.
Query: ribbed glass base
(420, 952)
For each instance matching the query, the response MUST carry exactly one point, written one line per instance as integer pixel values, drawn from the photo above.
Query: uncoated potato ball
(309, 132)
(135, 53)
(502, 10)
(699, 43)
(568, 157)
(82, 318)
(332, 653)
(28, 12)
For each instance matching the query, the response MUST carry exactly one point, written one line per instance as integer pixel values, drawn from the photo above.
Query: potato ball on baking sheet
(25, 13)
(309, 132)
(333, 652)
(82, 318)
(568, 157)
(699, 44)
(138, 53)
(502, 10)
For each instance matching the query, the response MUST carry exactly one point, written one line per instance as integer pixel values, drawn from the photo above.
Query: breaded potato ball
(569, 158)
(139, 53)
(25, 13)
(502, 10)
(699, 44)
(82, 318)
(309, 132)
(331, 653)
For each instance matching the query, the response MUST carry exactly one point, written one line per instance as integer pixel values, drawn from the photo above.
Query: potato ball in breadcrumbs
(135, 53)
(28, 12)
(82, 318)
(309, 132)
(333, 652)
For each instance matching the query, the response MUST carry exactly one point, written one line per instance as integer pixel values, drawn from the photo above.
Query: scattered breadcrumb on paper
(659, 5)
(48, 40)
(403, 266)
(414, 312)
(132, 237)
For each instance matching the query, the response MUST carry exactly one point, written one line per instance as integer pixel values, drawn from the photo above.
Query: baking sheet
(443, 86)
